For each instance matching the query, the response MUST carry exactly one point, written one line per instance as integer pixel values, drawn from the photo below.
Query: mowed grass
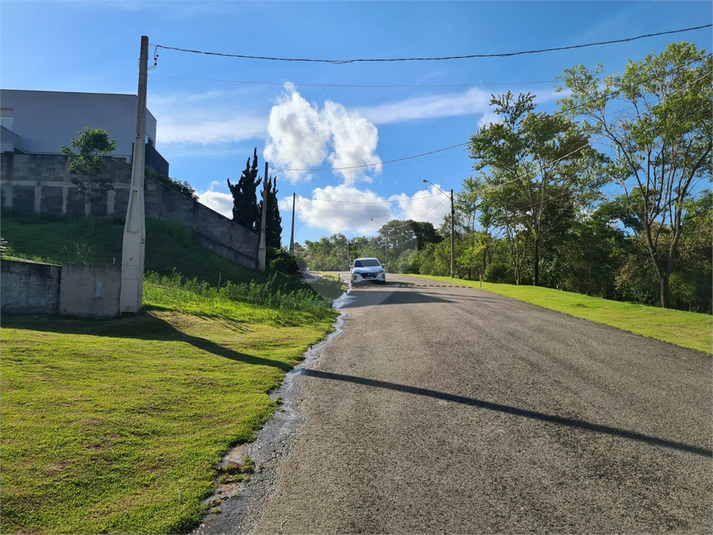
(118, 426)
(170, 247)
(685, 329)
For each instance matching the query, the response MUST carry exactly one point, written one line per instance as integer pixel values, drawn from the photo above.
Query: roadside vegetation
(118, 426)
(685, 329)
(170, 248)
(609, 196)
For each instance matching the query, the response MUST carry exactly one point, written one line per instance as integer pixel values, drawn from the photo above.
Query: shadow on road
(558, 420)
(383, 295)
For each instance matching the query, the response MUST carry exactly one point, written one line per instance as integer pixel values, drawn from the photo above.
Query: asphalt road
(442, 409)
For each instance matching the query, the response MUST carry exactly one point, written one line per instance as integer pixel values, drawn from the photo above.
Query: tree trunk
(536, 260)
(665, 290)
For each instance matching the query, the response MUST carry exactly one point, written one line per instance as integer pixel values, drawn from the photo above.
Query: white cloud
(474, 101)
(184, 130)
(300, 136)
(489, 118)
(349, 210)
(341, 208)
(354, 139)
(216, 200)
(470, 102)
(206, 118)
(426, 205)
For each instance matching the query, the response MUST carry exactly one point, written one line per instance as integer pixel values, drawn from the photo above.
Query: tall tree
(657, 118)
(245, 205)
(535, 160)
(93, 145)
(425, 233)
(273, 220)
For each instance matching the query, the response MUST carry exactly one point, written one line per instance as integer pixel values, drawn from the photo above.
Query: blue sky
(209, 123)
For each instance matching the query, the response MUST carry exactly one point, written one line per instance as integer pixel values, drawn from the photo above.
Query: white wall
(47, 120)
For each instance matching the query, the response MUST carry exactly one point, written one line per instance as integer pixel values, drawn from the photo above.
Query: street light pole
(453, 217)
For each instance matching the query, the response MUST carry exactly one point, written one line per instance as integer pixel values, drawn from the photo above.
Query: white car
(368, 270)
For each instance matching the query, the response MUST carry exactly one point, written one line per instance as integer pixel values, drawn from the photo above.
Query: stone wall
(42, 184)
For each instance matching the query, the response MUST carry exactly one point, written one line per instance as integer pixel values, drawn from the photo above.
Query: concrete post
(132, 254)
(292, 234)
(262, 247)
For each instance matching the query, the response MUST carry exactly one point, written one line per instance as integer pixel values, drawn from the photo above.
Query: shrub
(500, 272)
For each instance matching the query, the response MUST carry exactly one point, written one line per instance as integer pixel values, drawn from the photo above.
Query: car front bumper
(368, 277)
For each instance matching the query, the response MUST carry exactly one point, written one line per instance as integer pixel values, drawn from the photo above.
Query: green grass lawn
(169, 246)
(118, 426)
(685, 329)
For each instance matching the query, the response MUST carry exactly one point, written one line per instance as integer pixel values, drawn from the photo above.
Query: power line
(469, 56)
(412, 199)
(372, 164)
(589, 142)
(540, 168)
(354, 86)
(377, 86)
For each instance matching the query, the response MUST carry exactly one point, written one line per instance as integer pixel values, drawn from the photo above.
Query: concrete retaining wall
(29, 287)
(90, 290)
(80, 290)
(42, 184)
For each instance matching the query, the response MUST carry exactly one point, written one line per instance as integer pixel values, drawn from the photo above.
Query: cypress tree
(245, 206)
(273, 220)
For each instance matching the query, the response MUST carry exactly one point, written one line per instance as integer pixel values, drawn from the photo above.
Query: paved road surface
(450, 410)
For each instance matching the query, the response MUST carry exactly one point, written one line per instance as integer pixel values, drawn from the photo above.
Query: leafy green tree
(245, 205)
(425, 233)
(694, 288)
(586, 257)
(93, 145)
(436, 259)
(534, 160)
(658, 119)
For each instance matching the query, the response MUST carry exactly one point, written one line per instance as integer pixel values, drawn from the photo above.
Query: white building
(42, 122)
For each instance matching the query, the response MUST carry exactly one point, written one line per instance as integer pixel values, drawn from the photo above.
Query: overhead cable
(372, 164)
(397, 86)
(564, 157)
(445, 58)
(354, 86)
(410, 199)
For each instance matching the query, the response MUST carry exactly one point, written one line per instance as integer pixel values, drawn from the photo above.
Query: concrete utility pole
(262, 247)
(292, 234)
(134, 244)
(453, 217)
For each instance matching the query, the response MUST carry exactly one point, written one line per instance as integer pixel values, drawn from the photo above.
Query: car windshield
(368, 262)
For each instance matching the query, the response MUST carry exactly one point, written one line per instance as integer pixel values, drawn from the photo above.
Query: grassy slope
(168, 247)
(118, 426)
(685, 329)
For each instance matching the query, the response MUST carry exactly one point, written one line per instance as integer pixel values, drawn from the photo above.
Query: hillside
(169, 247)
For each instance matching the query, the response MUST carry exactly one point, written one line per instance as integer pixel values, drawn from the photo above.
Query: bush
(500, 272)
(284, 263)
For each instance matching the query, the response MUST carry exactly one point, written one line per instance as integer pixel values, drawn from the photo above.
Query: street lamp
(453, 261)
(386, 261)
